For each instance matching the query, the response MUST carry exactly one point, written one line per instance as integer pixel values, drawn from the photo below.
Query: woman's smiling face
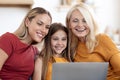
(78, 24)
(38, 27)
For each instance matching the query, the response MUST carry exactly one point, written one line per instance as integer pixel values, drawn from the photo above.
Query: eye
(48, 27)
(75, 20)
(39, 23)
(84, 20)
(64, 39)
(55, 39)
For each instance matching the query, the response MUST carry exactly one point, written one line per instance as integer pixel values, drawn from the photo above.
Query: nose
(59, 42)
(80, 23)
(44, 30)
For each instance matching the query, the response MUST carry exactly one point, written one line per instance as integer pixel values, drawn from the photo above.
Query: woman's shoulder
(105, 39)
(102, 36)
(9, 39)
(8, 35)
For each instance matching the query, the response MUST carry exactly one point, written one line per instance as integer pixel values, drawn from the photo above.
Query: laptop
(80, 71)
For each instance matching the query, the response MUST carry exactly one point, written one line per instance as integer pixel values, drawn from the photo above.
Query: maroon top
(20, 62)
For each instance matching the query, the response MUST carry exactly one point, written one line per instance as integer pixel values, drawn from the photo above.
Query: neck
(82, 39)
(27, 40)
(57, 55)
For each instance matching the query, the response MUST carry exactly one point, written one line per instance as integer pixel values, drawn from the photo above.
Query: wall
(52, 6)
(11, 17)
(12, 13)
(108, 14)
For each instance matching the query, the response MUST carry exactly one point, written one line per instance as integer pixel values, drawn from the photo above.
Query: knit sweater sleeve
(108, 45)
(112, 53)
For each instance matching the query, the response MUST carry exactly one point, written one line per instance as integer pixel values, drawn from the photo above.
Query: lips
(39, 34)
(80, 29)
(58, 47)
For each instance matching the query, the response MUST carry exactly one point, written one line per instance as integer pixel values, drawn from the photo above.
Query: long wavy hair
(88, 14)
(48, 51)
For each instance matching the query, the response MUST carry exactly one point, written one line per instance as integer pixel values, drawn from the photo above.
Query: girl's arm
(38, 69)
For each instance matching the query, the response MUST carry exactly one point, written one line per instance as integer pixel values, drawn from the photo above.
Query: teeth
(80, 30)
(39, 34)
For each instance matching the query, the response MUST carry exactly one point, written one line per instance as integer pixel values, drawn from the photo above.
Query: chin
(36, 41)
(58, 52)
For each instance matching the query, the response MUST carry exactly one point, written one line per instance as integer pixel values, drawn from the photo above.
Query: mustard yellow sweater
(105, 51)
(49, 72)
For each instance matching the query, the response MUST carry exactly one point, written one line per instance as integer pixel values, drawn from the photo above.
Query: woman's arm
(115, 62)
(38, 69)
(3, 58)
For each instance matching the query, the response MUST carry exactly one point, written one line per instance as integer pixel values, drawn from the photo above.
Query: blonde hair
(88, 15)
(22, 31)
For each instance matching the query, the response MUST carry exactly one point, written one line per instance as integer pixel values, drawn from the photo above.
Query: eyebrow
(40, 21)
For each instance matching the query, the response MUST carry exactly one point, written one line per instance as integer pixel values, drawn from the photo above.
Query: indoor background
(12, 13)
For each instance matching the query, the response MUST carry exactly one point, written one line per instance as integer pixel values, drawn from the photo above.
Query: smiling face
(38, 27)
(78, 25)
(59, 41)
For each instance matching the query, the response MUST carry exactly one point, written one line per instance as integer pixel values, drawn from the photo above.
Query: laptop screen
(80, 71)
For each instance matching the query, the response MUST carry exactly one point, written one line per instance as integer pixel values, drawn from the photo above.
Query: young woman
(17, 52)
(56, 49)
(86, 45)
